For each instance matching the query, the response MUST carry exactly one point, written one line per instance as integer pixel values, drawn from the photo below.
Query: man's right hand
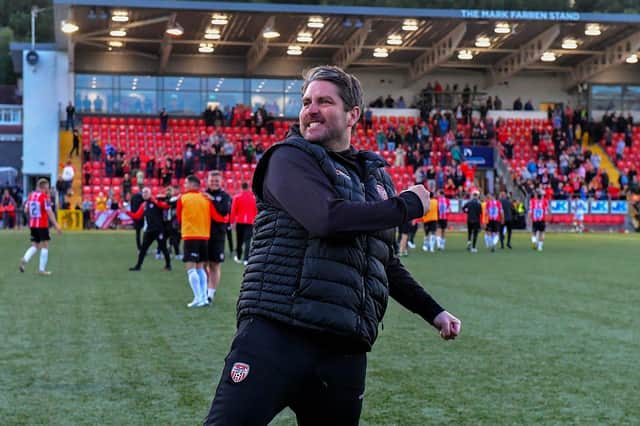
(423, 194)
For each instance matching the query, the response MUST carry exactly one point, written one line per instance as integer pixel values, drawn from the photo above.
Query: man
(443, 212)
(221, 202)
(508, 212)
(67, 176)
(38, 207)
(243, 213)
(76, 143)
(539, 209)
(164, 121)
(473, 209)
(495, 219)
(320, 270)
(579, 210)
(71, 112)
(136, 202)
(151, 213)
(430, 220)
(195, 213)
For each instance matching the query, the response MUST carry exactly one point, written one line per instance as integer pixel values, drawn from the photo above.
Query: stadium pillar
(46, 94)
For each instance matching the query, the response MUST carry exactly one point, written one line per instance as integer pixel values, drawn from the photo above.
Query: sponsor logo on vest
(382, 192)
(239, 372)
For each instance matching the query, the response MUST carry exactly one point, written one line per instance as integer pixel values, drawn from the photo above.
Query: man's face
(214, 182)
(322, 117)
(146, 193)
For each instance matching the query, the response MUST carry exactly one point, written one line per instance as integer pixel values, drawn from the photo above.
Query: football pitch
(547, 338)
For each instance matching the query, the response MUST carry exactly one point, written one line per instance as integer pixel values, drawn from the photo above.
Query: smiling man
(321, 269)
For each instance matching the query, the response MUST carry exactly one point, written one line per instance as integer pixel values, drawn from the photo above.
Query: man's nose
(312, 108)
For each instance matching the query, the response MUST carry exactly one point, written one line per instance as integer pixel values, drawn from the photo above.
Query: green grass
(547, 338)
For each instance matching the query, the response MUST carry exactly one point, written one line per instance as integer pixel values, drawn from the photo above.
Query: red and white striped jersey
(538, 209)
(443, 208)
(494, 210)
(38, 203)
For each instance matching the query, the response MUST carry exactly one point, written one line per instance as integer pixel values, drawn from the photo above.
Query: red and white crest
(382, 192)
(239, 372)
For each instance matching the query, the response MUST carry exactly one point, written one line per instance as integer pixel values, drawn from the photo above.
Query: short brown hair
(349, 86)
(42, 182)
(215, 173)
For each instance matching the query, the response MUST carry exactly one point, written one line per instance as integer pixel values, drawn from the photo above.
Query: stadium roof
(349, 35)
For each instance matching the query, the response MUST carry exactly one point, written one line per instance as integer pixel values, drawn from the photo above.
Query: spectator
(400, 103)
(207, 116)
(400, 156)
(392, 137)
(71, 112)
(368, 118)
(517, 105)
(76, 143)
(126, 185)
(528, 106)
(189, 161)
(178, 167)
(8, 207)
(508, 149)
(260, 118)
(389, 102)
(249, 150)
(378, 103)
(259, 151)
(497, 103)
(381, 139)
(164, 121)
(620, 150)
(227, 154)
(437, 89)
(87, 207)
(96, 151)
(489, 103)
(67, 176)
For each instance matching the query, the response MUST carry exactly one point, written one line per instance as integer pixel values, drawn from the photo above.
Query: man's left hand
(448, 325)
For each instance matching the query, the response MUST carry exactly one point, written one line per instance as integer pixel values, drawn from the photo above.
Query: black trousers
(230, 238)
(75, 148)
(173, 239)
(147, 239)
(243, 239)
(272, 366)
(138, 229)
(472, 232)
(509, 226)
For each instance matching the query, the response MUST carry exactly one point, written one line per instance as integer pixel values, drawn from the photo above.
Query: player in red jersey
(495, 219)
(539, 209)
(443, 215)
(38, 207)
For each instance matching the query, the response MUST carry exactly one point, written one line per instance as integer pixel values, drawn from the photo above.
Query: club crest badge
(343, 174)
(239, 372)
(382, 192)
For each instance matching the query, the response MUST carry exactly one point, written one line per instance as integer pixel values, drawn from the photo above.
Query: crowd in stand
(564, 167)
(11, 213)
(431, 148)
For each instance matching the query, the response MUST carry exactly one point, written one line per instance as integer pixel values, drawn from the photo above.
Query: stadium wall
(47, 89)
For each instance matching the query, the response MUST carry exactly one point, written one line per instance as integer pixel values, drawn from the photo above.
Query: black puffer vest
(336, 285)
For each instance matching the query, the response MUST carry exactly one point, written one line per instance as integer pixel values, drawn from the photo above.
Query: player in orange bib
(430, 221)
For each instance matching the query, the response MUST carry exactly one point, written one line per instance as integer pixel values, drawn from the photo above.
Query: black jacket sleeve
(409, 293)
(295, 183)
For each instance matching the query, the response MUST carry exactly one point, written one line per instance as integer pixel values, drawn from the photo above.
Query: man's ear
(353, 116)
